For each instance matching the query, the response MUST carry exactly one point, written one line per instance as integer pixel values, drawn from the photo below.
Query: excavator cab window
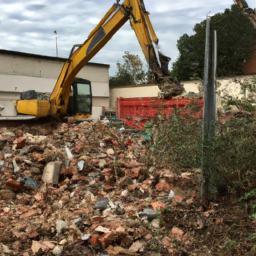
(82, 96)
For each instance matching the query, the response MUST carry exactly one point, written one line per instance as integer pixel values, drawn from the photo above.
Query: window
(84, 99)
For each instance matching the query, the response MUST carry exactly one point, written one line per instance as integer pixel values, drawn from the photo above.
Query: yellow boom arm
(250, 13)
(114, 19)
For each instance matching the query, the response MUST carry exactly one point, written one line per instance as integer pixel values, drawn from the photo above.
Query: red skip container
(151, 107)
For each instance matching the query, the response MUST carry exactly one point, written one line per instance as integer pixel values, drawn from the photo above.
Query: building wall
(230, 86)
(144, 91)
(249, 67)
(18, 83)
(20, 73)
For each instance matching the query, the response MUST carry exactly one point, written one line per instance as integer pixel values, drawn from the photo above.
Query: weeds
(177, 144)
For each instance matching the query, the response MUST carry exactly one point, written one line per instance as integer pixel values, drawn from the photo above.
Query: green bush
(177, 145)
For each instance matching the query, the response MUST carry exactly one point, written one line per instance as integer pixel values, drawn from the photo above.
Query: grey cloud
(35, 7)
(33, 33)
(9, 2)
(17, 16)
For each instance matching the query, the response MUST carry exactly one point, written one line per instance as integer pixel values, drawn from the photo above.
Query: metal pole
(208, 129)
(214, 74)
(55, 32)
(56, 46)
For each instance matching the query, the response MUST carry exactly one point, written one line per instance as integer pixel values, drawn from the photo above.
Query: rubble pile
(83, 189)
(79, 189)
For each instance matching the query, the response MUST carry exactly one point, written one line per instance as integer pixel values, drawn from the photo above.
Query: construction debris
(81, 189)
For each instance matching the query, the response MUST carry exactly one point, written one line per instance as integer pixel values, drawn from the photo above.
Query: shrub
(177, 145)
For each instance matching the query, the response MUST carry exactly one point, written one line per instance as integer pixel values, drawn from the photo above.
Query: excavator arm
(114, 19)
(249, 12)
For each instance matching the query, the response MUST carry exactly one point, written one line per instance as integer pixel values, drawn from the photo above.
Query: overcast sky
(28, 25)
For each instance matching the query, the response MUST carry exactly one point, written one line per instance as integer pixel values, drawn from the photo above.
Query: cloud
(27, 26)
(35, 7)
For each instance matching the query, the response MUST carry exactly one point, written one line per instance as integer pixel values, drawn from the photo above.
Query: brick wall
(249, 67)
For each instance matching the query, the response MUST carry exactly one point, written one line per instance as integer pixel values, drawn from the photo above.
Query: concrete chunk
(51, 173)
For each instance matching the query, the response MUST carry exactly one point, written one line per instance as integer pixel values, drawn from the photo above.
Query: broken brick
(135, 172)
(108, 238)
(166, 241)
(94, 239)
(97, 219)
(158, 205)
(163, 186)
(13, 185)
(179, 198)
(21, 142)
(176, 233)
(29, 214)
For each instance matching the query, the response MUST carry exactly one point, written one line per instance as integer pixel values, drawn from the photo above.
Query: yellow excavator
(80, 102)
(249, 12)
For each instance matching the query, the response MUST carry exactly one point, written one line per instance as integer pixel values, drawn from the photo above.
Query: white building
(21, 71)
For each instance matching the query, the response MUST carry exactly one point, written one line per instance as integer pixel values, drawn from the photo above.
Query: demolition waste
(76, 189)
(83, 189)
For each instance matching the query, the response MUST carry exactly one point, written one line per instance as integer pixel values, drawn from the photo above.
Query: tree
(235, 36)
(185, 67)
(130, 72)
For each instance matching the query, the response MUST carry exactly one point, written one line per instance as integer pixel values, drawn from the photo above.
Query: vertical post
(208, 129)
(55, 32)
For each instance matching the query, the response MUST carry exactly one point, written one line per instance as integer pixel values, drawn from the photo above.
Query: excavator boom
(249, 12)
(114, 19)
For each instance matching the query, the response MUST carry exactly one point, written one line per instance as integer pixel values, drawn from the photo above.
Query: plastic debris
(68, 152)
(102, 229)
(15, 166)
(85, 237)
(80, 165)
(29, 183)
(171, 194)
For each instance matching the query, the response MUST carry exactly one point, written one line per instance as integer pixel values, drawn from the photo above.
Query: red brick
(135, 172)
(14, 185)
(21, 142)
(97, 219)
(179, 198)
(163, 186)
(166, 241)
(33, 234)
(28, 214)
(176, 233)
(38, 196)
(108, 239)
(158, 205)
(148, 237)
(94, 239)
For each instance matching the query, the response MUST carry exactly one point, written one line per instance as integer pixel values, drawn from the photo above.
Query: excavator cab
(79, 103)
(80, 100)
